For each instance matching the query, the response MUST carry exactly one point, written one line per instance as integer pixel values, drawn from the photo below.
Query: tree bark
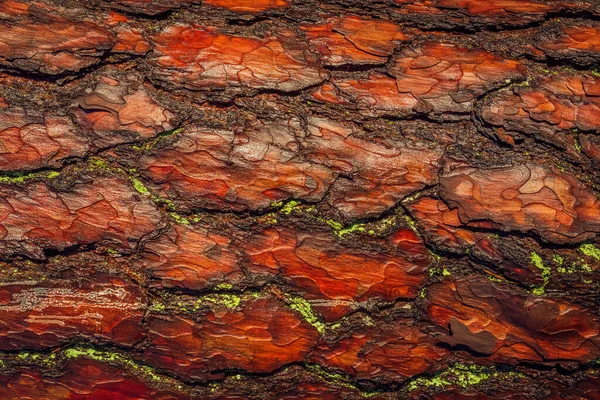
(285, 199)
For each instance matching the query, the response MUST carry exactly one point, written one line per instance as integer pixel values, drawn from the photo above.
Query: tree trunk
(268, 199)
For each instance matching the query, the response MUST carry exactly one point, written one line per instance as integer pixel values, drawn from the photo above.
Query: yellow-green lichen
(18, 178)
(302, 307)
(459, 375)
(51, 361)
(224, 286)
(112, 252)
(336, 226)
(351, 229)
(150, 144)
(590, 250)
(157, 307)
(228, 300)
(98, 163)
(139, 186)
(290, 207)
(411, 223)
(336, 379)
(537, 261)
(558, 259)
(439, 271)
(179, 219)
(113, 357)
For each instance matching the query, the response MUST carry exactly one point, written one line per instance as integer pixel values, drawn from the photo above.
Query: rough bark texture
(285, 199)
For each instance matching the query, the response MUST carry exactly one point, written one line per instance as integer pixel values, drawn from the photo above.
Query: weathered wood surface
(285, 199)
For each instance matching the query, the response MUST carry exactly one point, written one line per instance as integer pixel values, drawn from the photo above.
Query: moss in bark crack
(138, 185)
(460, 375)
(537, 261)
(290, 207)
(302, 307)
(55, 359)
(590, 250)
(337, 379)
(21, 178)
(151, 143)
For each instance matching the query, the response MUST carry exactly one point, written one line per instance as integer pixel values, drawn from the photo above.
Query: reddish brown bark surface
(285, 199)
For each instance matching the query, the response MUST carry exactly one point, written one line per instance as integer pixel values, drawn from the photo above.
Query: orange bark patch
(248, 6)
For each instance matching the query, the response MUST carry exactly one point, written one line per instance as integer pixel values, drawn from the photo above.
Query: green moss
(558, 259)
(289, 207)
(150, 144)
(98, 163)
(336, 379)
(157, 307)
(590, 250)
(334, 224)
(411, 223)
(460, 375)
(537, 261)
(351, 229)
(139, 186)
(302, 307)
(539, 290)
(224, 286)
(228, 300)
(113, 357)
(52, 175)
(179, 219)
(17, 178)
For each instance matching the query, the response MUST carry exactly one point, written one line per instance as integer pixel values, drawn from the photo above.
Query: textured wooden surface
(285, 199)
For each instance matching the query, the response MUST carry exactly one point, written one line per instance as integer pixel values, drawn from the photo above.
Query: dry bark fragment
(249, 169)
(381, 172)
(273, 161)
(44, 314)
(55, 45)
(386, 352)
(440, 79)
(190, 257)
(526, 198)
(105, 210)
(475, 13)
(349, 40)
(148, 7)
(548, 109)
(248, 6)
(122, 110)
(82, 379)
(506, 326)
(198, 58)
(336, 278)
(445, 78)
(259, 337)
(579, 43)
(442, 229)
(30, 140)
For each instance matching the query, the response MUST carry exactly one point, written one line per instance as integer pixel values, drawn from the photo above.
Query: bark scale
(396, 199)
